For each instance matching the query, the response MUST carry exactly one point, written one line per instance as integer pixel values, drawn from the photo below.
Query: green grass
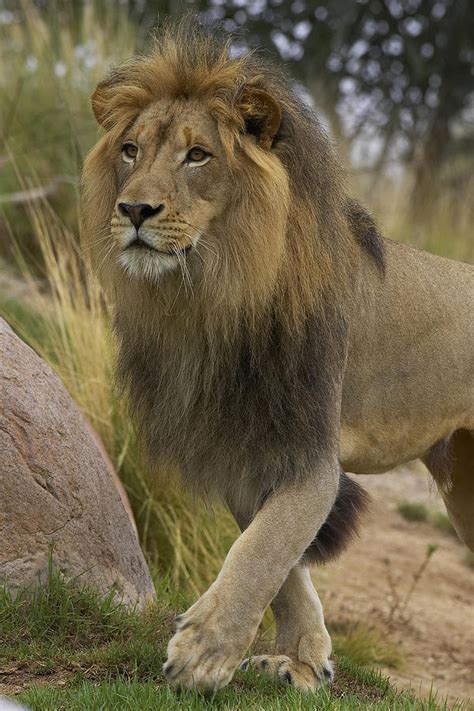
(248, 693)
(63, 628)
(33, 325)
(72, 649)
(251, 694)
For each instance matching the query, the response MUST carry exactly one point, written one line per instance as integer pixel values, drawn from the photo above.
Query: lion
(268, 337)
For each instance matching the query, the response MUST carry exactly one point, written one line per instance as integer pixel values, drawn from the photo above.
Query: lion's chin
(147, 264)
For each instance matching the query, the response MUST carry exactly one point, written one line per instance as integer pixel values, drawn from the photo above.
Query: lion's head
(174, 184)
(213, 178)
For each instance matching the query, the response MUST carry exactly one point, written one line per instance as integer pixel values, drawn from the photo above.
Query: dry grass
(366, 645)
(445, 228)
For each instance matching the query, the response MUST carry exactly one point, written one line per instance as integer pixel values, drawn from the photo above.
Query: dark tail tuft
(341, 525)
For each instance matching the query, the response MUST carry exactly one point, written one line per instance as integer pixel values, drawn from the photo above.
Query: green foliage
(49, 66)
(413, 511)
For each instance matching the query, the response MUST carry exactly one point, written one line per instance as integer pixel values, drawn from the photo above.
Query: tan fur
(303, 645)
(288, 341)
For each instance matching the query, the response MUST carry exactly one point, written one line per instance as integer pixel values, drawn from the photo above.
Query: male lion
(267, 336)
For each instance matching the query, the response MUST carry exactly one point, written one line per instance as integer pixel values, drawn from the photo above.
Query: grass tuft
(411, 511)
(365, 646)
(64, 632)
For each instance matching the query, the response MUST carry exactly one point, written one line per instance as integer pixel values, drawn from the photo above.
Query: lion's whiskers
(108, 252)
(186, 276)
(100, 240)
(203, 242)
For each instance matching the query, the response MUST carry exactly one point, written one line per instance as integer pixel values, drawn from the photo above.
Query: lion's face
(173, 181)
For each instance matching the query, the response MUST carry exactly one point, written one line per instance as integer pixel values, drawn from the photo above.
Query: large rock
(56, 492)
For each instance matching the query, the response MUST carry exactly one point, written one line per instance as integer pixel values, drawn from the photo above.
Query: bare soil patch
(435, 629)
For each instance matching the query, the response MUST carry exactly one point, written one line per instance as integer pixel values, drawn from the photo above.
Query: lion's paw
(206, 649)
(291, 671)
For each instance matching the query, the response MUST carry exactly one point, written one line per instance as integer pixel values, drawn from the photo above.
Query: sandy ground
(436, 628)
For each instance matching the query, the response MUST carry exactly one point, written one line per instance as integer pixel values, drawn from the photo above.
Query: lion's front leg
(303, 645)
(214, 634)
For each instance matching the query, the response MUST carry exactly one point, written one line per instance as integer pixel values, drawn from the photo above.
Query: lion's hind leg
(303, 645)
(452, 467)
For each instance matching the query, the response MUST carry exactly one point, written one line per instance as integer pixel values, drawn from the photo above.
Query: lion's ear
(100, 101)
(262, 116)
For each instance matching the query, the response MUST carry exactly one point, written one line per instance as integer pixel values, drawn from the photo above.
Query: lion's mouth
(142, 245)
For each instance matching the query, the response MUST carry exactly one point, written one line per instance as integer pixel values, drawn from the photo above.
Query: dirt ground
(435, 629)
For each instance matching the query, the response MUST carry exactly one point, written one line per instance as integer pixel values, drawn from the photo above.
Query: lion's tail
(342, 523)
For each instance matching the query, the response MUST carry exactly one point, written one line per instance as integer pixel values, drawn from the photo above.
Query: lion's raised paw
(291, 671)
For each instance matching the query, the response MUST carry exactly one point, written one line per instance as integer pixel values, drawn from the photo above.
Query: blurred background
(393, 83)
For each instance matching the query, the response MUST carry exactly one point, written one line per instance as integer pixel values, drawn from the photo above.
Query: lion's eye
(129, 152)
(197, 155)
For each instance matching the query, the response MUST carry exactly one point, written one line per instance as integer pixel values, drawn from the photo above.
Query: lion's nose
(138, 212)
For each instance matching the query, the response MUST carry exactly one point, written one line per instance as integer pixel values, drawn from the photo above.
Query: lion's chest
(243, 417)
